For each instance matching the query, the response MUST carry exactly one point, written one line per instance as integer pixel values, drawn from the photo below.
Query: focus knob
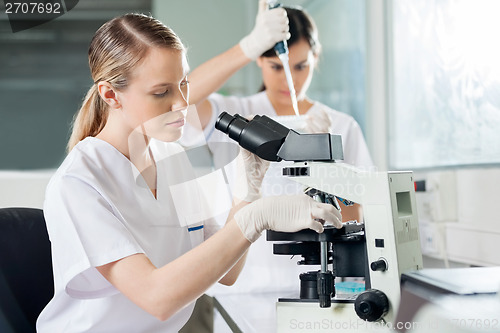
(371, 305)
(379, 265)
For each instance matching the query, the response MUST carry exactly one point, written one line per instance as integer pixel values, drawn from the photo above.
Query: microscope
(382, 248)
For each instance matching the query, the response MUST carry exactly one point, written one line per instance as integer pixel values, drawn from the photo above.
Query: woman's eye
(161, 94)
(184, 83)
(301, 67)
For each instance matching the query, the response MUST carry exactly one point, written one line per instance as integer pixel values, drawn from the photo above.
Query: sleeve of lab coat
(85, 233)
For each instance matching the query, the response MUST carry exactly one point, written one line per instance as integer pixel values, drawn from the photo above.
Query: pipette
(281, 49)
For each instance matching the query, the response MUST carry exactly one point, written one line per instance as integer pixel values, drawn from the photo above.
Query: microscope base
(307, 317)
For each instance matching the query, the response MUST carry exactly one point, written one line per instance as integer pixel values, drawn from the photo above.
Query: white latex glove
(271, 26)
(251, 171)
(317, 121)
(287, 214)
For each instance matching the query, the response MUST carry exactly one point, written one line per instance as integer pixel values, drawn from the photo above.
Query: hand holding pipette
(271, 26)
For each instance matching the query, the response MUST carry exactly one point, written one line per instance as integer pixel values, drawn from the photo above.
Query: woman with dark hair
(127, 225)
(274, 101)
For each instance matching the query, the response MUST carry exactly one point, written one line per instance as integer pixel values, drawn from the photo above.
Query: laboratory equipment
(450, 300)
(281, 49)
(274, 142)
(379, 250)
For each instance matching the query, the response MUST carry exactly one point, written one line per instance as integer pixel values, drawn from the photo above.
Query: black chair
(26, 279)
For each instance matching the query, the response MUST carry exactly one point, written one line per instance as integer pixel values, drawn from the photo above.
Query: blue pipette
(281, 49)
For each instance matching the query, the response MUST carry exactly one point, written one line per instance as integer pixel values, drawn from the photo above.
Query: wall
(208, 27)
(23, 188)
(458, 220)
(44, 76)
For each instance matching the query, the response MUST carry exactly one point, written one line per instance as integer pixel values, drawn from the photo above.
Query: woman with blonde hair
(129, 236)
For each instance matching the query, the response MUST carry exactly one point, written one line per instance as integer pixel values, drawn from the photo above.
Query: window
(446, 65)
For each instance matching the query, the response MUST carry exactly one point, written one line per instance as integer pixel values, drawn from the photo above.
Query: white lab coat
(98, 210)
(264, 271)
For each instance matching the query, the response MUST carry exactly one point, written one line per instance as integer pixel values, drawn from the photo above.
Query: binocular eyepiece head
(260, 135)
(274, 142)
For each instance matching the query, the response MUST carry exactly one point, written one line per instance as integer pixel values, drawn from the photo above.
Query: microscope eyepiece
(274, 142)
(231, 125)
(260, 135)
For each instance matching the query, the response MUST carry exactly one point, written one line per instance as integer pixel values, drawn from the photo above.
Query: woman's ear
(108, 94)
(259, 61)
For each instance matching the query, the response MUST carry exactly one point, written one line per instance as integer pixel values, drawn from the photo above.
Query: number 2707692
(32, 8)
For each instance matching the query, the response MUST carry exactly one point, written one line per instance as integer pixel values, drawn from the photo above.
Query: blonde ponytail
(91, 118)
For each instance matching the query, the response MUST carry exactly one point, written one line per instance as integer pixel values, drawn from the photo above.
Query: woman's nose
(181, 99)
